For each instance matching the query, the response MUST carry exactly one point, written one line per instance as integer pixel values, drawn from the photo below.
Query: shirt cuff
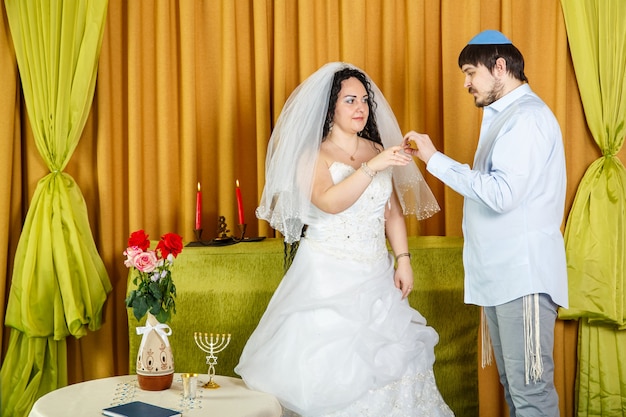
(439, 163)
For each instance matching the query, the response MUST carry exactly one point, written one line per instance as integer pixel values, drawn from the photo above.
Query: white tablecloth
(232, 399)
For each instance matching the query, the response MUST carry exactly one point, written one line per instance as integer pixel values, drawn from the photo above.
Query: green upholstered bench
(226, 290)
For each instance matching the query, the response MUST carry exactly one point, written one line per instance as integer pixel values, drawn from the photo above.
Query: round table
(232, 399)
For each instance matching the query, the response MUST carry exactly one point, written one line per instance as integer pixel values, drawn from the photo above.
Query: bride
(338, 337)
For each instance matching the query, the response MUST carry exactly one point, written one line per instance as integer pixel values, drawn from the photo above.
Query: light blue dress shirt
(514, 203)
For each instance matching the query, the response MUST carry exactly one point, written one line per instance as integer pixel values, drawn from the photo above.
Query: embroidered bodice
(358, 232)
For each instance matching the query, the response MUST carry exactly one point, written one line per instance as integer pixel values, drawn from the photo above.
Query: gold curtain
(189, 90)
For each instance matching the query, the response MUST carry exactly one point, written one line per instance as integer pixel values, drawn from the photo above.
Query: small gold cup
(190, 385)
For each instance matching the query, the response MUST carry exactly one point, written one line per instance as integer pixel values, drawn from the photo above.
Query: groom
(514, 254)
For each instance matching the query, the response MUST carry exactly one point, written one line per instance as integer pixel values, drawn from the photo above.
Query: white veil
(294, 146)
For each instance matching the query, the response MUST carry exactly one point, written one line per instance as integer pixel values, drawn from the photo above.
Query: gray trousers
(506, 329)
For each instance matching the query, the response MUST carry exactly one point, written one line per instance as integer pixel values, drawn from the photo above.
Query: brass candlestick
(242, 230)
(222, 230)
(198, 242)
(243, 238)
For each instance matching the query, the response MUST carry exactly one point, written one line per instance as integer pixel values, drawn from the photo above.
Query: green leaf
(140, 307)
(163, 316)
(131, 298)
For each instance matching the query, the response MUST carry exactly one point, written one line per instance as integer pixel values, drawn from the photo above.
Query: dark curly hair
(370, 131)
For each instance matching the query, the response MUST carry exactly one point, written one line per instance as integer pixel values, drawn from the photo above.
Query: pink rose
(145, 261)
(130, 254)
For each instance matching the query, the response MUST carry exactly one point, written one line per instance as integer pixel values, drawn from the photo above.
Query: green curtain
(59, 283)
(595, 233)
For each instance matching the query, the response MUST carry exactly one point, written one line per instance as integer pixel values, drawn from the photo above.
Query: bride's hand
(392, 156)
(403, 278)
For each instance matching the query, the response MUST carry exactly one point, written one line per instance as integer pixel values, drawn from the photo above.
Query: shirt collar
(506, 100)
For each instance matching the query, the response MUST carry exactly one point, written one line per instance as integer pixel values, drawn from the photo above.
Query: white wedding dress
(337, 339)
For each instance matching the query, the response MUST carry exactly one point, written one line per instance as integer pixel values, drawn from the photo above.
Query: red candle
(198, 209)
(239, 204)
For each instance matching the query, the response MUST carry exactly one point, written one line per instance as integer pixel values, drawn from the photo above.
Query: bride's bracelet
(407, 254)
(369, 171)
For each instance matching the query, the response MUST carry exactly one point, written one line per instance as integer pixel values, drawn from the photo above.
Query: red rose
(139, 239)
(170, 243)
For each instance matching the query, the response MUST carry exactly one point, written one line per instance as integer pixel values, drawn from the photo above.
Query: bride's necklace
(346, 152)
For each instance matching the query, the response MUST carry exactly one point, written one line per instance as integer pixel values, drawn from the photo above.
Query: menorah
(211, 344)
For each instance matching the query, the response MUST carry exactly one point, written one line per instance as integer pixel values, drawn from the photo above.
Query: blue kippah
(490, 37)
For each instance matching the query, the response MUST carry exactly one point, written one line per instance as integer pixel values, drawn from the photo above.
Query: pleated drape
(596, 227)
(59, 282)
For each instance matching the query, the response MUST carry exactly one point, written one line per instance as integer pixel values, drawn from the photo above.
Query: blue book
(140, 409)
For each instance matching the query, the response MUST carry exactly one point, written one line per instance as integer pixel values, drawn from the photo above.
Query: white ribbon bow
(162, 330)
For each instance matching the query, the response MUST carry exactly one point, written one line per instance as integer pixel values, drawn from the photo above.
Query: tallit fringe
(486, 351)
(533, 364)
